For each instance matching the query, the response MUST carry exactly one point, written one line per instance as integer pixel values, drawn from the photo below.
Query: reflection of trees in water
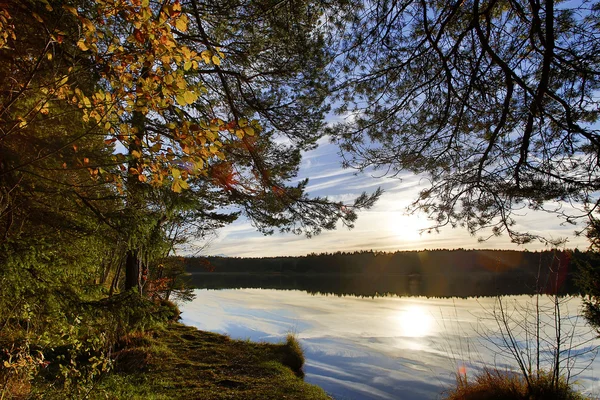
(435, 274)
(438, 273)
(361, 285)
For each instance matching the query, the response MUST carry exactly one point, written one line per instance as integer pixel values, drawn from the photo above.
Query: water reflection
(415, 321)
(365, 348)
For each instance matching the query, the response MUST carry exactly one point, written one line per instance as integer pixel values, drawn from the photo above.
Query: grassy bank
(181, 362)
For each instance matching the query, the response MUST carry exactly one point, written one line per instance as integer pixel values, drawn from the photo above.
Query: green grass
(492, 384)
(182, 362)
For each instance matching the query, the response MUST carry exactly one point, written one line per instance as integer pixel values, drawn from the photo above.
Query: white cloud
(385, 227)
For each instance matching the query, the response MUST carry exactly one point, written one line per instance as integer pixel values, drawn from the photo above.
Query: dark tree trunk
(133, 263)
(133, 271)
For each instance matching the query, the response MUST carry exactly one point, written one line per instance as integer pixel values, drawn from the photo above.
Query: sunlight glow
(415, 321)
(406, 227)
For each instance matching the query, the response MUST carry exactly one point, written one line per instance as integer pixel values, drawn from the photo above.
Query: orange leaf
(139, 35)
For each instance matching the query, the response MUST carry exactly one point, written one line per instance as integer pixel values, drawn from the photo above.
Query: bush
(493, 384)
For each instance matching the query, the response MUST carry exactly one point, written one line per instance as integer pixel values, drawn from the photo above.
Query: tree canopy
(495, 102)
(152, 120)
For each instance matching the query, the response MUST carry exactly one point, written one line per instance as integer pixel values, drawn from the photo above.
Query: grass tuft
(494, 384)
(293, 356)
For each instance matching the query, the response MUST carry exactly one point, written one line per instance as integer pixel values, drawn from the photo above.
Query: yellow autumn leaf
(136, 154)
(156, 147)
(70, 9)
(181, 83)
(87, 24)
(176, 187)
(216, 60)
(206, 55)
(182, 23)
(181, 100)
(190, 97)
(175, 173)
(81, 44)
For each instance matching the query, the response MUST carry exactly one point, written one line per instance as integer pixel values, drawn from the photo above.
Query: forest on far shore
(432, 273)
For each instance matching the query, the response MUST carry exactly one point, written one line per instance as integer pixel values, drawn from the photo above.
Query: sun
(406, 227)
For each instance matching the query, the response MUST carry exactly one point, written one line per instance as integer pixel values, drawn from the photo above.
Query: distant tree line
(430, 273)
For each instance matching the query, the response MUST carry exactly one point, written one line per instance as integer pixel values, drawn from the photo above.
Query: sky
(385, 227)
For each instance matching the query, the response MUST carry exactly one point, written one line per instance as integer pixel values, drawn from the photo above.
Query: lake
(398, 347)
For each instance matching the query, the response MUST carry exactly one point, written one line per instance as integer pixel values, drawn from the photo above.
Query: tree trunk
(133, 263)
(133, 271)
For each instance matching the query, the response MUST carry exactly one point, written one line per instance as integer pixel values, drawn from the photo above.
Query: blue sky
(385, 227)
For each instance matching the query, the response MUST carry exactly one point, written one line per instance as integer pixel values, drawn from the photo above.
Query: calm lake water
(396, 347)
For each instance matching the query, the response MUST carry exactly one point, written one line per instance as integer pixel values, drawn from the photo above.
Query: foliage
(128, 127)
(588, 278)
(19, 367)
(169, 278)
(494, 102)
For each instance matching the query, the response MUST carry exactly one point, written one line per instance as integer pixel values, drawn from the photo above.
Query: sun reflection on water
(415, 321)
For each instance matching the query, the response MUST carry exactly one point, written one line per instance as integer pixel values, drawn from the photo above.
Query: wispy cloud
(385, 227)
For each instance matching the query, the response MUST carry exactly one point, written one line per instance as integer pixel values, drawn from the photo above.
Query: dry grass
(493, 384)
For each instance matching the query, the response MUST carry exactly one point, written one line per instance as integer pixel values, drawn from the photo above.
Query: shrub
(494, 384)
